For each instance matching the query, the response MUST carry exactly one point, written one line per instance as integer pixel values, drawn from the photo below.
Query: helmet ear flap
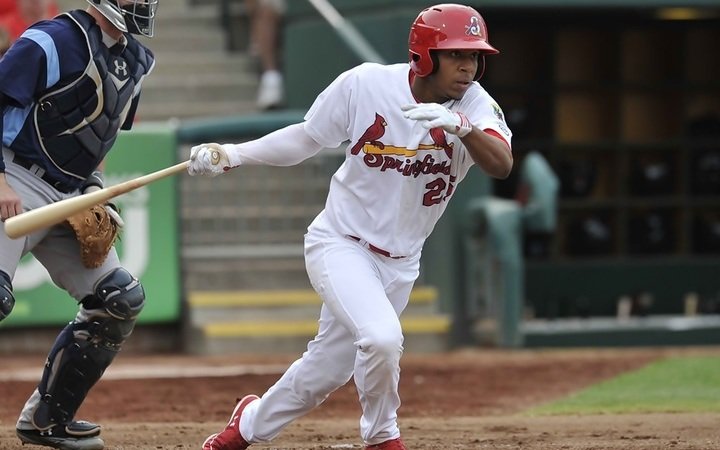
(421, 62)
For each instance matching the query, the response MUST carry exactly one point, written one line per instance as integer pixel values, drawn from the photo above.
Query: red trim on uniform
(492, 132)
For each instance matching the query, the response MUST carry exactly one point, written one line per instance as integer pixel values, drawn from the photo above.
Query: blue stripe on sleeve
(51, 55)
(14, 119)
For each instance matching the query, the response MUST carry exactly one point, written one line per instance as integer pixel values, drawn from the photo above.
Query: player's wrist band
(95, 179)
(464, 127)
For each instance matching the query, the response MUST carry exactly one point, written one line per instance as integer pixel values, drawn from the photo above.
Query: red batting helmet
(447, 27)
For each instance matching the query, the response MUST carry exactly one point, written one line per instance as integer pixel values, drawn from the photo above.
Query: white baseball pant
(359, 335)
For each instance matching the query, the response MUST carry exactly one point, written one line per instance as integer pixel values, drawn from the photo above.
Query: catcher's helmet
(133, 16)
(447, 27)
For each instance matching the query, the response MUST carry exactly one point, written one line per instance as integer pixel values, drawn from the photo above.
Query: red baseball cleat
(392, 444)
(230, 438)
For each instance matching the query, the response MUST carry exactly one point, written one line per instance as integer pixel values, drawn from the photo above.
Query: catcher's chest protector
(73, 132)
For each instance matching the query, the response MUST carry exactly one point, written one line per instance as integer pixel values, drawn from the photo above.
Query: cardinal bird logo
(474, 28)
(371, 135)
(440, 140)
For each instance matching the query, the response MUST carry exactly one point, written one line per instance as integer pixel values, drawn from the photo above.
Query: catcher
(67, 87)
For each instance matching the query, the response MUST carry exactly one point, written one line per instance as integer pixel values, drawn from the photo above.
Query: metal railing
(347, 32)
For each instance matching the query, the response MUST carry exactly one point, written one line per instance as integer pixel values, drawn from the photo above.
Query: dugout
(622, 98)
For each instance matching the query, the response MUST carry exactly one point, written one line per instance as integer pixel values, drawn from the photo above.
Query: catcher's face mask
(132, 16)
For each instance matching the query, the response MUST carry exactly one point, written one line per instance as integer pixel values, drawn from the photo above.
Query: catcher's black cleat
(78, 435)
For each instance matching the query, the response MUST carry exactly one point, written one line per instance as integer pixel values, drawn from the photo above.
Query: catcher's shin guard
(7, 301)
(87, 346)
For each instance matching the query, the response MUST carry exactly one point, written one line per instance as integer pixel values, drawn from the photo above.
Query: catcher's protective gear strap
(289, 146)
(84, 349)
(7, 301)
(95, 179)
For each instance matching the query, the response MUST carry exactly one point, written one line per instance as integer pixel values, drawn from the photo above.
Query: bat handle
(53, 213)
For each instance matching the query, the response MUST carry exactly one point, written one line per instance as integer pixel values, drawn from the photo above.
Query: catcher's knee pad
(85, 348)
(113, 308)
(7, 301)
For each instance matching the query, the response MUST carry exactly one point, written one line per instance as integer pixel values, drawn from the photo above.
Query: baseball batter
(67, 87)
(414, 131)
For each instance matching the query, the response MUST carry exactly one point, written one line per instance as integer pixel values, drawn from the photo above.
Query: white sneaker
(270, 92)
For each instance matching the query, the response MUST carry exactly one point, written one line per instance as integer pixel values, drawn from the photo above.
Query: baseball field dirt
(469, 399)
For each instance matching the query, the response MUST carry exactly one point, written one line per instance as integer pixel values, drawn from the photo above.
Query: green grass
(682, 384)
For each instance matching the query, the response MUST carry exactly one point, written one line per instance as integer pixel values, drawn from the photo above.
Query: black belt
(58, 185)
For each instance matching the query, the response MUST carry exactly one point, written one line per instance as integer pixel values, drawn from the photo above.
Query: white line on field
(136, 372)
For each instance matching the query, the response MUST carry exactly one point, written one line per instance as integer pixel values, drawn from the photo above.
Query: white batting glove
(208, 159)
(109, 207)
(433, 115)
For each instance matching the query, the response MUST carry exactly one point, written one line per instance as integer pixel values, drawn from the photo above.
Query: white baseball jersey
(397, 177)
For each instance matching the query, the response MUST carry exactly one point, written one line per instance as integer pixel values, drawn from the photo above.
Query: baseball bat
(48, 215)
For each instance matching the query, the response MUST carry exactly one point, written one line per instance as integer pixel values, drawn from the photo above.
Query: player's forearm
(489, 152)
(285, 147)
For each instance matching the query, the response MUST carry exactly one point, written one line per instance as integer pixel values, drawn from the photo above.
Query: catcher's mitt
(96, 232)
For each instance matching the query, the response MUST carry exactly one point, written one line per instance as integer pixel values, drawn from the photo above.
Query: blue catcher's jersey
(48, 56)
(46, 53)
